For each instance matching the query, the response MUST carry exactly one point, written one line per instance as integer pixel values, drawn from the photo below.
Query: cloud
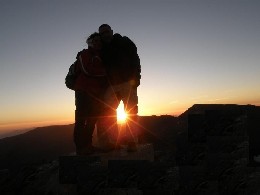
(174, 102)
(199, 97)
(217, 99)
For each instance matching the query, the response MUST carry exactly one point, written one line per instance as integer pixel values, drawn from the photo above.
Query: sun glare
(121, 115)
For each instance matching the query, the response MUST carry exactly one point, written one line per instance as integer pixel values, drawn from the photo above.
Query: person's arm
(91, 65)
(135, 60)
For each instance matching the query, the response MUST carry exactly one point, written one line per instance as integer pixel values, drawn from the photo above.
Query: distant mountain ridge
(36, 146)
(29, 162)
(44, 144)
(14, 132)
(201, 108)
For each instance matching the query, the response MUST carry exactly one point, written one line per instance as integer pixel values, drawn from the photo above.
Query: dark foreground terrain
(209, 149)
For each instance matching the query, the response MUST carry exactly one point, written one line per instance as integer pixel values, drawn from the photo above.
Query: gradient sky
(192, 51)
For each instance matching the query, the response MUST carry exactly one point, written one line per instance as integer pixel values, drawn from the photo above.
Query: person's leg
(84, 123)
(107, 126)
(130, 99)
(79, 128)
(78, 132)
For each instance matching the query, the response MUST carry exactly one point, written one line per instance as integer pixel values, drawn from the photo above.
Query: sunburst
(121, 114)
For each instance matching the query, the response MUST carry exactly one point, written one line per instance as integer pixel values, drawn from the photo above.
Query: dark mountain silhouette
(29, 162)
(159, 130)
(201, 108)
(48, 143)
(36, 146)
(14, 133)
(44, 144)
(222, 119)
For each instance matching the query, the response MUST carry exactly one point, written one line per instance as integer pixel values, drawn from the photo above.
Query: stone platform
(72, 166)
(118, 172)
(144, 152)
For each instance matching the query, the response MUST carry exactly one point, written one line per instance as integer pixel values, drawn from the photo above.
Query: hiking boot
(131, 147)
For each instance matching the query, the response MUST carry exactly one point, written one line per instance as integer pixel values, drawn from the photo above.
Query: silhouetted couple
(108, 71)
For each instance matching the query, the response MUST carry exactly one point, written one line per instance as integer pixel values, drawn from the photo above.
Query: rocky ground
(210, 155)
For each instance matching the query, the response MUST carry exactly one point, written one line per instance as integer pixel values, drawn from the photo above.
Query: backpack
(71, 77)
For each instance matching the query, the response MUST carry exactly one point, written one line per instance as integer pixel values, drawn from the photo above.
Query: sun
(121, 114)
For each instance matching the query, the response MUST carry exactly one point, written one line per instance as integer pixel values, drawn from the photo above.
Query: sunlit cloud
(174, 102)
(217, 99)
(199, 98)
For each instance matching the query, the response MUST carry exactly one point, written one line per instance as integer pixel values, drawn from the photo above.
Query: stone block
(71, 166)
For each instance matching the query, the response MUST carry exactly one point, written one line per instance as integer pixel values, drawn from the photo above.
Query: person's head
(106, 33)
(94, 41)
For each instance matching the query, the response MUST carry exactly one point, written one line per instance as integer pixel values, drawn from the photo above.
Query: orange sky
(191, 52)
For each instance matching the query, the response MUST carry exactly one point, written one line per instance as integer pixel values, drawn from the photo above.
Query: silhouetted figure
(90, 86)
(122, 63)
